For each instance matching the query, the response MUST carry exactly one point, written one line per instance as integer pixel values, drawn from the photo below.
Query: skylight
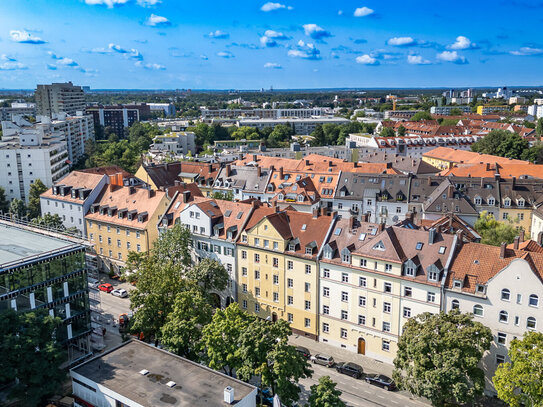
(362, 236)
(304, 226)
(228, 213)
(240, 214)
(419, 246)
(337, 232)
(442, 249)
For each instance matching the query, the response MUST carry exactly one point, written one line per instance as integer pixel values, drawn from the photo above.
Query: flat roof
(19, 244)
(196, 385)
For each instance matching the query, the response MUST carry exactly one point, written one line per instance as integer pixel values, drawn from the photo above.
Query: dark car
(350, 369)
(303, 351)
(323, 360)
(381, 380)
(266, 398)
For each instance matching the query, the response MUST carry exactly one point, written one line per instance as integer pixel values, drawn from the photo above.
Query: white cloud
(270, 6)
(148, 3)
(153, 67)
(363, 11)
(462, 43)
(452, 56)
(218, 34)
(5, 57)
(155, 21)
(204, 57)
(401, 41)
(67, 62)
(25, 37)
(272, 65)
(130, 53)
(12, 66)
(305, 51)
(366, 60)
(100, 50)
(340, 12)
(527, 51)
(225, 54)
(108, 3)
(270, 37)
(316, 32)
(276, 35)
(417, 60)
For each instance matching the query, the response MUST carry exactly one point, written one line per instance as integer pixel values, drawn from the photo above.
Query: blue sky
(250, 44)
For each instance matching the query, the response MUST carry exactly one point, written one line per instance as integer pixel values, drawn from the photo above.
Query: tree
(221, 338)
(417, 117)
(246, 133)
(17, 208)
(502, 143)
(539, 127)
(208, 274)
(520, 382)
(455, 111)
(280, 135)
(182, 332)
(401, 131)
(325, 394)
(4, 203)
(534, 154)
(225, 196)
(31, 356)
(387, 132)
(174, 246)
(49, 221)
(438, 356)
(493, 232)
(319, 138)
(36, 189)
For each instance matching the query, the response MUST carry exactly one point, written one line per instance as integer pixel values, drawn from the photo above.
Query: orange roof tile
(467, 157)
(75, 179)
(506, 170)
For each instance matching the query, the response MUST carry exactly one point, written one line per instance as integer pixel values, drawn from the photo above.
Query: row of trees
(334, 134)
(504, 143)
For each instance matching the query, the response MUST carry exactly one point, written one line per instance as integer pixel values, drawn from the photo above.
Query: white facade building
(175, 143)
(446, 110)
(77, 130)
(59, 98)
(299, 125)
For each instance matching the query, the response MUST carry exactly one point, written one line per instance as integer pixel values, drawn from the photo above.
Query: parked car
(120, 292)
(303, 351)
(105, 287)
(94, 284)
(381, 380)
(350, 369)
(323, 360)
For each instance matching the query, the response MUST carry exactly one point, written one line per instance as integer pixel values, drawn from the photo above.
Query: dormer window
(457, 284)
(480, 288)
(292, 246)
(281, 197)
(491, 201)
(506, 202)
(478, 201)
(346, 256)
(520, 203)
(379, 246)
(410, 268)
(300, 198)
(328, 252)
(244, 238)
(308, 250)
(433, 273)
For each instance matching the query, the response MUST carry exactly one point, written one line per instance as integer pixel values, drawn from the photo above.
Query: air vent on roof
(171, 384)
(144, 372)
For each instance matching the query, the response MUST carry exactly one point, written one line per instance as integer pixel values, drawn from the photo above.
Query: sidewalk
(340, 355)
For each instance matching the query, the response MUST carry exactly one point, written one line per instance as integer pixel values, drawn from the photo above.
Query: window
(307, 305)
(137, 235)
(361, 320)
(343, 333)
(325, 327)
(307, 287)
(257, 307)
(530, 323)
(501, 338)
(517, 320)
(266, 243)
(138, 248)
(363, 262)
(257, 291)
(519, 298)
(307, 322)
(275, 262)
(326, 273)
(290, 300)
(407, 291)
(344, 277)
(119, 243)
(478, 310)
(118, 230)
(506, 294)
(275, 279)
(455, 304)
(361, 301)
(275, 297)
(290, 283)
(275, 245)
(431, 297)
(386, 326)
(290, 317)
(290, 265)
(244, 271)
(433, 274)
(109, 240)
(257, 258)
(244, 288)
(406, 312)
(410, 269)
(520, 216)
(387, 287)
(533, 301)
(387, 307)
(388, 267)
(244, 254)
(504, 317)
(257, 241)
(257, 274)
(325, 309)
(362, 281)
(385, 345)
(244, 238)
(307, 269)
(500, 359)
(344, 296)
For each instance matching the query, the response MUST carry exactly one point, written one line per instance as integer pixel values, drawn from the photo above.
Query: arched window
(530, 323)
(455, 304)
(504, 316)
(534, 300)
(506, 294)
(478, 310)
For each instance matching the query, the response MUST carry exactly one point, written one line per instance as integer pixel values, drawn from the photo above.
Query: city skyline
(153, 44)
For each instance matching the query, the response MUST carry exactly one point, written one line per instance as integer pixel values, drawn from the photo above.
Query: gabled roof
(451, 224)
(446, 198)
(165, 175)
(505, 170)
(75, 180)
(467, 157)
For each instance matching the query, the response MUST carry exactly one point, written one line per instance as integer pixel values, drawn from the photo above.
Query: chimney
(131, 190)
(487, 166)
(366, 217)
(330, 163)
(254, 203)
(355, 164)
(228, 170)
(460, 235)
(280, 173)
(150, 193)
(277, 209)
(351, 222)
(258, 171)
(315, 213)
(177, 182)
(521, 236)
(229, 395)
(186, 196)
(450, 191)
(513, 180)
(272, 168)
(255, 157)
(502, 250)
(516, 242)
(429, 181)
(210, 167)
(306, 162)
(381, 227)
(431, 235)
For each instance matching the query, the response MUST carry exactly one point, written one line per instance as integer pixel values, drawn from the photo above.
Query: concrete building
(136, 374)
(43, 272)
(261, 113)
(119, 117)
(446, 110)
(30, 152)
(299, 125)
(400, 114)
(167, 108)
(78, 130)
(536, 110)
(174, 144)
(17, 109)
(487, 109)
(59, 98)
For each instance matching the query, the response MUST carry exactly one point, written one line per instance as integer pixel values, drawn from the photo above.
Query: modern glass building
(40, 271)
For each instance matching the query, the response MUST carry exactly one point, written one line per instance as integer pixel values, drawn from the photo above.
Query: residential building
(503, 289)
(536, 110)
(445, 157)
(71, 198)
(167, 108)
(488, 170)
(299, 125)
(373, 280)
(78, 130)
(400, 114)
(124, 219)
(136, 374)
(59, 98)
(446, 110)
(277, 266)
(260, 113)
(517, 201)
(38, 271)
(537, 224)
(118, 117)
(245, 182)
(400, 163)
(517, 100)
(175, 144)
(30, 152)
(487, 109)
(17, 109)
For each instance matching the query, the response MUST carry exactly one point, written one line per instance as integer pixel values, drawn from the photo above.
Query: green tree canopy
(539, 127)
(49, 221)
(417, 117)
(280, 136)
(31, 355)
(246, 133)
(387, 132)
(208, 274)
(520, 382)
(36, 189)
(319, 138)
(438, 357)
(493, 232)
(17, 208)
(4, 203)
(325, 394)
(502, 143)
(401, 131)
